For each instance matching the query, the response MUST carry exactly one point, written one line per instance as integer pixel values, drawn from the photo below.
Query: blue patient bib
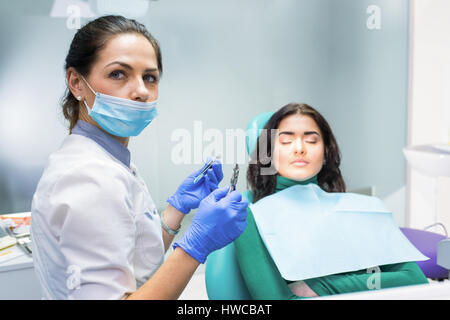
(311, 233)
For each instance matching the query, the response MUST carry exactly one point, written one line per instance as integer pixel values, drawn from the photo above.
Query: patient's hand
(301, 289)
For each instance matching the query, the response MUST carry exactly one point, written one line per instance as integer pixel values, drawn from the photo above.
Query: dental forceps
(234, 179)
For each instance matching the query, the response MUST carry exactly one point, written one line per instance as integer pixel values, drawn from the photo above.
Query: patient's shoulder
(248, 195)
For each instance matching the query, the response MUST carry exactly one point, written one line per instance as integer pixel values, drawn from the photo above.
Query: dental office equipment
(5, 239)
(234, 179)
(25, 243)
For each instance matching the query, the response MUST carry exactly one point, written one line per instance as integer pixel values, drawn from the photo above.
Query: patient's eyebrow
(286, 132)
(306, 133)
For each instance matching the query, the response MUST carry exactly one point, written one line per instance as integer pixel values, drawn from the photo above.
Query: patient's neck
(283, 182)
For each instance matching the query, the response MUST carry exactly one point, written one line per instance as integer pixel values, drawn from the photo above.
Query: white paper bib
(312, 233)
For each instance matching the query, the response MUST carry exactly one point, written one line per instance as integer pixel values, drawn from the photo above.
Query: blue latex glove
(189, 194)
(219, 220)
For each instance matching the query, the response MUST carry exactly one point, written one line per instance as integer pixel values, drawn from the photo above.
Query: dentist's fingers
(233, 197)
(220, 193)
(217, 168)
(212, 177)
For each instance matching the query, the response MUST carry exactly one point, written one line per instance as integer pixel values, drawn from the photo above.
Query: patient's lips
(299, 162)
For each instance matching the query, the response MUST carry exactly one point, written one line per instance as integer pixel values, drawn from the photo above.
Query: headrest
(254, 128)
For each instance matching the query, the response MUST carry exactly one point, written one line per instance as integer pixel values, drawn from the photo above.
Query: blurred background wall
(224, 62)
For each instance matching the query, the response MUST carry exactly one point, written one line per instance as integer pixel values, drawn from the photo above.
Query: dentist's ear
(74, 83)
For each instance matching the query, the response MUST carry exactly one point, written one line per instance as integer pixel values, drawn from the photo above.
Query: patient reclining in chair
(306, 237)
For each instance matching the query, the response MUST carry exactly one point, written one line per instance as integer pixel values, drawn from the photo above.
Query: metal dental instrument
(234, 179)
(202, 173)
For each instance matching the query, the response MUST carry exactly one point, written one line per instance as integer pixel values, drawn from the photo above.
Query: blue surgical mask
(121, 117)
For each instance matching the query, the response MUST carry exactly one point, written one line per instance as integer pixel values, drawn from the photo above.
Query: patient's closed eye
(285, 140)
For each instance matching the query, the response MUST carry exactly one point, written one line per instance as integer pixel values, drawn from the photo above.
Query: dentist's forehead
(130, 48)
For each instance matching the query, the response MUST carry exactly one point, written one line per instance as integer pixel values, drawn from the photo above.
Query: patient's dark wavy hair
(329, 178)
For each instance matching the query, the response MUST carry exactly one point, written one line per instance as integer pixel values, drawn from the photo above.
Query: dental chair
(428, 243)
(222, 274)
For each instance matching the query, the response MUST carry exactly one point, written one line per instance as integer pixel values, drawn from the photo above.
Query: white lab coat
(95, 230)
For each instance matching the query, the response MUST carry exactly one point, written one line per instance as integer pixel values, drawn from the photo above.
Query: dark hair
(329, 178)
(84, 49)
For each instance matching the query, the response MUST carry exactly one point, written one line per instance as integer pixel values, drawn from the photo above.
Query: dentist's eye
(150, 78)
(117, 75)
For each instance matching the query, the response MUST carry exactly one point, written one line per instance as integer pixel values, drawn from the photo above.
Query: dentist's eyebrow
(125, 65)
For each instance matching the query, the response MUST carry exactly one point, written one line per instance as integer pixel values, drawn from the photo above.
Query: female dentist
(96, 232)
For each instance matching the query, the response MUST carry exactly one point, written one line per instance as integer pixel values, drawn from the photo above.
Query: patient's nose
(299, 147)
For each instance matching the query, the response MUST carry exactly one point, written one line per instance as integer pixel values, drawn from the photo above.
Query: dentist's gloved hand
(189, 194)
(219, 220)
